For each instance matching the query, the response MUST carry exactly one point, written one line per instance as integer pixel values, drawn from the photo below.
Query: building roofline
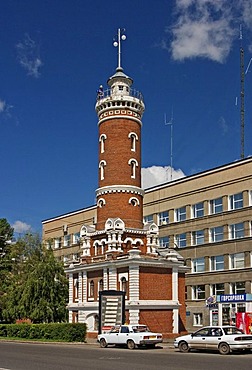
(199, 174)
(161, 186)
(68, 214)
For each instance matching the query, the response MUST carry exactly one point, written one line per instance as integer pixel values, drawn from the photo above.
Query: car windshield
(232, 330)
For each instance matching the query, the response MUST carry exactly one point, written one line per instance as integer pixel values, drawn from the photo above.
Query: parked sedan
(222, 338)
(131, 336)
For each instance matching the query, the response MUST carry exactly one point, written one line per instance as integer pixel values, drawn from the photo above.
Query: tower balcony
(115, 98)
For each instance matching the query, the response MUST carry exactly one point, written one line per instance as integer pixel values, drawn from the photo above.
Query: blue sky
(183, 56)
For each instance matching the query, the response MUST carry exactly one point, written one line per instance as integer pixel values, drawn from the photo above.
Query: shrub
(61, 332)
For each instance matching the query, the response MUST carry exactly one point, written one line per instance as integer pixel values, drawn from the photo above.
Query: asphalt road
(30, 356)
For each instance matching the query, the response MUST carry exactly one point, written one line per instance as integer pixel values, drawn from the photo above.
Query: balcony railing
(109, 92)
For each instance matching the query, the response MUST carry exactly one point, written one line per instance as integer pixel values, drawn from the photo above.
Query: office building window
(237, 288)
(216, 206)
(198, 237)
(180, 240)
(164, 242)
(163, 218)
(216, 234)
(237, 260)
(198, 264)
(57, 243)
(197, 319)
(217, 263)
(76, 238)
(198, 292)
(180, 214)
(217, 289)
(148, 218)
(198, 210)
(236, 231)
(67, 239)
(236, 201)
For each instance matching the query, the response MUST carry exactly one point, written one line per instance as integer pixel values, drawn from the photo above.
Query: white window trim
(134, 137)
(102, 139)
(134, 201)
(102, 165)
(133, 163)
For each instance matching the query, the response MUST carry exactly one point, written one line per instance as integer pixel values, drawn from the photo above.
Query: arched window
(102, 139)
(133, 163)
(91, 288)
(124, 284)
(134, 201)
(101, 202)
(133, 137)
(102, 165)
(100, 285)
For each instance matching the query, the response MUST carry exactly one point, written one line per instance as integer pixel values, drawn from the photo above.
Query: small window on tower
(102, 139)
(133, 163)
(133, 137)
(101, 202)
(102, 169)
(134, 201)
(120, 87)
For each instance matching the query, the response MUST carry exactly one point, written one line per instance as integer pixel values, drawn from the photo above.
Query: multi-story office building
(207, 217)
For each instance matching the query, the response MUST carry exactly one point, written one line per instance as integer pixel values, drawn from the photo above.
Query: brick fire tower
(120, 252)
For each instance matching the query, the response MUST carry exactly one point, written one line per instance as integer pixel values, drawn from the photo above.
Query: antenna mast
(117, 43)
(242, 113)
(171, 124)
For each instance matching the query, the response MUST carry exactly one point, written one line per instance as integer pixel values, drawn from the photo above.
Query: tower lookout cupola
(119, 110)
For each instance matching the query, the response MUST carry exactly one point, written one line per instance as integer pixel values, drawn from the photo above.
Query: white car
(225, 339)
(131, 336)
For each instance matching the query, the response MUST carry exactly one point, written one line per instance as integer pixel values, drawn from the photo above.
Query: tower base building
(119, 252)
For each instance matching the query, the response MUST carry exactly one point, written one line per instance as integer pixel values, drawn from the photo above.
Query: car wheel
(224, 349)
(131, 344)
(183, 347)
(103, 343)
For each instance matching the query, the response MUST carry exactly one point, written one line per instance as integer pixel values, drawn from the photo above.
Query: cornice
(119, 189)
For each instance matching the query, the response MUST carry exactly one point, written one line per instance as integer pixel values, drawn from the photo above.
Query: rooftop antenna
(242, 112)
(117, 43)
(171, 125)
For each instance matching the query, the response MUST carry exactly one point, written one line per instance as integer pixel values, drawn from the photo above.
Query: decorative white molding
(119, 189)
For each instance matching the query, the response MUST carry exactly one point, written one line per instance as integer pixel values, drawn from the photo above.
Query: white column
(84, 287)
(175, 298)
(105, 279)
(133, 294)
(112, 284)
(70, 282)
(80, 292)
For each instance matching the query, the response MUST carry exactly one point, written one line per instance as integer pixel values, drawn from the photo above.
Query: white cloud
(28, 56)
(5, 109)
(207, 28)
(156, 175)
(21, 227)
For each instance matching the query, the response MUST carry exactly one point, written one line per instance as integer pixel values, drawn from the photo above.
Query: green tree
(39, 288)
(6, 234)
